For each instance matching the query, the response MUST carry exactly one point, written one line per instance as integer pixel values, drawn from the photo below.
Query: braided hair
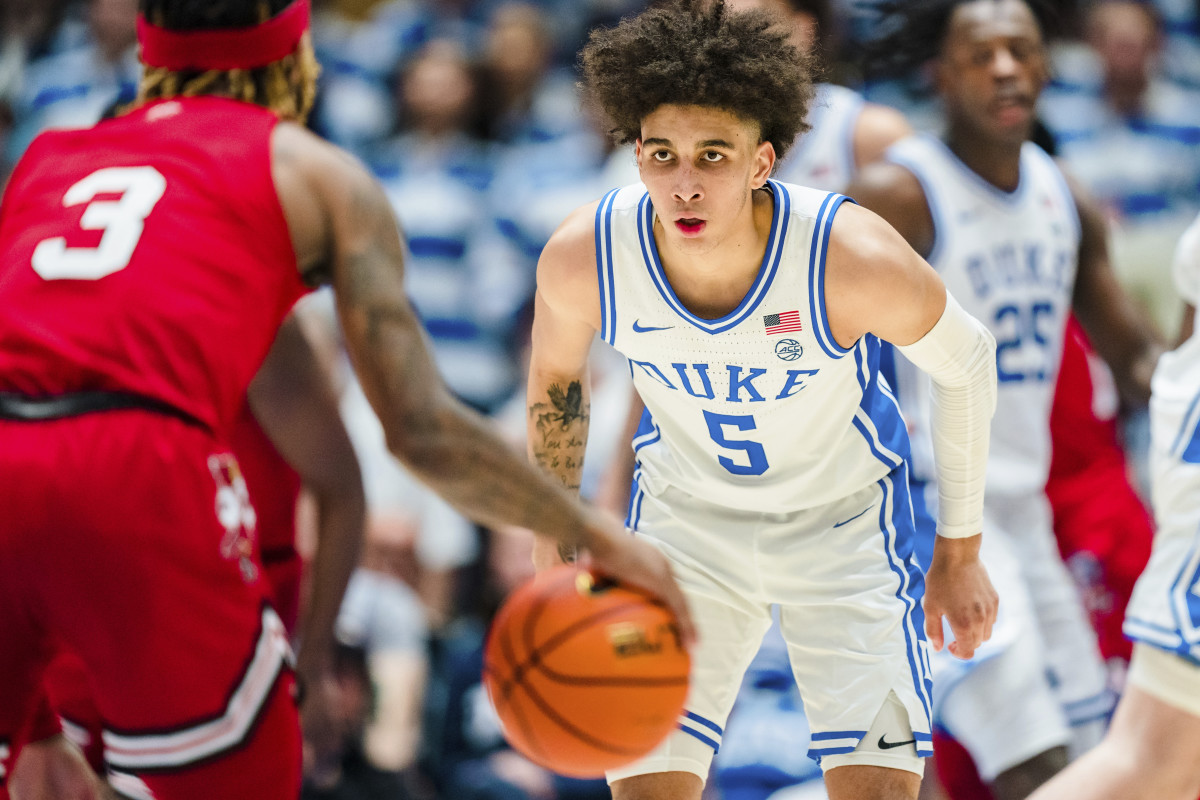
(287, 86)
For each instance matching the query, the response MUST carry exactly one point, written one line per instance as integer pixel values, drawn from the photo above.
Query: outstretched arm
(451, 448)
(876, 283)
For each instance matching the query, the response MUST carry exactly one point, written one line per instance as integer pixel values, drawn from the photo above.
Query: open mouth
(690, 225)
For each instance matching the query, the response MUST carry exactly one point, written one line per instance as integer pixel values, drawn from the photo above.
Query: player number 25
(755, 455)
(121, 220)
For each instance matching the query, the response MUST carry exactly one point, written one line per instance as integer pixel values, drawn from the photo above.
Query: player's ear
(764, 164)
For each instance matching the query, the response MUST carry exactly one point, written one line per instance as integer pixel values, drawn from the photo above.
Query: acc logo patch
(788, 349)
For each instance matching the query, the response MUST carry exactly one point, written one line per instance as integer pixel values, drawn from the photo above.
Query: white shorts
(1172, 678)
(1042, 650)
(849, 595)
(1165, 608)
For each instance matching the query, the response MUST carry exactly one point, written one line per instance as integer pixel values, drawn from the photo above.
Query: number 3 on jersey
(121, 220)
(755, 454)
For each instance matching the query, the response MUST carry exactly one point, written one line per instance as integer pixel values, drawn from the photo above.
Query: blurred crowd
(467, 112)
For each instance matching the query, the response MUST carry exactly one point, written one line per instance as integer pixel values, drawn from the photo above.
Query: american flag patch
(786, 322)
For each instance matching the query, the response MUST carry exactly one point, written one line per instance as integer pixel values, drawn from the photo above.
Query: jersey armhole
(604, 268)
(818, 251)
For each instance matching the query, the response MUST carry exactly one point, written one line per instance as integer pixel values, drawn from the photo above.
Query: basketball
(585, 674)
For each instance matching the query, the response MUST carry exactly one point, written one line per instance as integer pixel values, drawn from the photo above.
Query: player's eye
(660, 156)
(712, 156)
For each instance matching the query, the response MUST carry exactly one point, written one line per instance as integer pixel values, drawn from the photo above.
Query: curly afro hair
(692, 52)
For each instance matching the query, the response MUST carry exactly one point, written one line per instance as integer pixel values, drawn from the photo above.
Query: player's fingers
(933, 628)
(968, 634)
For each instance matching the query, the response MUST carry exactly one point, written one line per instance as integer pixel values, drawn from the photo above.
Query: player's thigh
(150, 581)
(866, 782)
(855, 629)
(730, 625)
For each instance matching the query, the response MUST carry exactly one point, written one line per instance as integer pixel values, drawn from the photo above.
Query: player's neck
(711, 282)
(997, 162)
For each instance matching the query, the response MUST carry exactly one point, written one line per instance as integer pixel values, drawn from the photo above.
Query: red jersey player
(145, 265)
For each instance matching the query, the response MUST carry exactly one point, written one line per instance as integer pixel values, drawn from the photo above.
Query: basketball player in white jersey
(1152, 749)
(1020, 247)
(774, 471)
(846, 132)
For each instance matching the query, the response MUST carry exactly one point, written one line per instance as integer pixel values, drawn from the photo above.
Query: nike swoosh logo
(885, 745)
(643, 329)
(856, 516)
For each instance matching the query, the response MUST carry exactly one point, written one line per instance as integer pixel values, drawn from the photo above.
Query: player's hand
(321, 725)
(54, 769)
(632, 561)
(958, 588)
(549, 553)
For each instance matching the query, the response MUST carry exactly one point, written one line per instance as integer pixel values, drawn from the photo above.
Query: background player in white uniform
(775, 471)
(1152, 750)
(1009, 236)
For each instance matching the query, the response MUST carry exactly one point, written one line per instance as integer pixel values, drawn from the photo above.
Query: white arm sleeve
(959, 355)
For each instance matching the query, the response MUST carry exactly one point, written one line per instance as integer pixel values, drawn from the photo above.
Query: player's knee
(1017, 783)
(869, 782)
(659, 786)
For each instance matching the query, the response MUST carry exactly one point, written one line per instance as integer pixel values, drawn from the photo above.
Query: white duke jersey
(1165, 608)
(760, 410)
(823, 158)
(1009, 258)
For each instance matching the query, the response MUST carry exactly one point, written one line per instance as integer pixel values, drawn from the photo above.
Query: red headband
(224, 48)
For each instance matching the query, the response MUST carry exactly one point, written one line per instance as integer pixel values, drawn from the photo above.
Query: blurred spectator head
(518, 49)
(438, 93)
(811, 22)
(1127, 35)
(114, 26)
(287, 86)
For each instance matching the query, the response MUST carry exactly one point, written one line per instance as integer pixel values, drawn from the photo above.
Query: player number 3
(122, 221)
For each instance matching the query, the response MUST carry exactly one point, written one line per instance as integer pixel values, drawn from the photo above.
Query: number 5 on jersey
(754, 451)
(121, 220)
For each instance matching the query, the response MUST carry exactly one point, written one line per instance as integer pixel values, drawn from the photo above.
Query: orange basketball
(585, 674)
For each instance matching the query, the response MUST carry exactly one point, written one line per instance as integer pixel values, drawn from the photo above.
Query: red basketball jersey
(148, 254)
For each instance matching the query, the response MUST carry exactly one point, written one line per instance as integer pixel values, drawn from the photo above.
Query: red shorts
(126, 539)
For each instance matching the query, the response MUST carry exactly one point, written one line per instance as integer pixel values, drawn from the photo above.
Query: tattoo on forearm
(569, 405)
(561, 432)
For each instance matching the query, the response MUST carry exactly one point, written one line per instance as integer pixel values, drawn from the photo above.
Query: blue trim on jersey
(634, 489)
(935, 208)
(887, 435)
(1183, 607)
(780, 217)
(826, 735)
(708, 723)
(604, 267)
(1090, 709)
(816, 275)
(1068, 195)
(911, 588)
(716, 747)
(1189, 425)
(635, 503)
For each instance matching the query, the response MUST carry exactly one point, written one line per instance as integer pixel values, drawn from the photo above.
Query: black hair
(693, 52)
(913, 32)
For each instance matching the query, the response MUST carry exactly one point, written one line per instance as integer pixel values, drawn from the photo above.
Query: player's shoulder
(568, 261)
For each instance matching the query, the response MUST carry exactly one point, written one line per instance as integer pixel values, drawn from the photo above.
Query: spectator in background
(524, 99)
(359, 43)
(1131, 137)
(74, 87)
(353, 776)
